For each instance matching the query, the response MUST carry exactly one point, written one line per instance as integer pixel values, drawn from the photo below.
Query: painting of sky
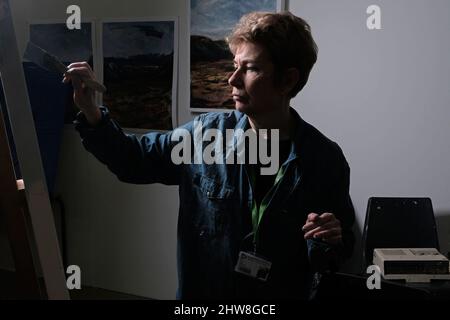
(216, 18)
(142, 38)
(67, 45)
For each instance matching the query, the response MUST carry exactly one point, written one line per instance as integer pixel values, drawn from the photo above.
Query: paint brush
(51, 63)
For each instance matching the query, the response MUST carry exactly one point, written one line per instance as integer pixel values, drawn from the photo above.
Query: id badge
(253, 266)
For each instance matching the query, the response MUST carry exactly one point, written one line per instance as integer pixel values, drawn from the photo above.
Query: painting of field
(211, 62)
(138, 71)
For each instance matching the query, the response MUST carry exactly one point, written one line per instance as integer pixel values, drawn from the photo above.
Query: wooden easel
(13, 207)
(16, 201)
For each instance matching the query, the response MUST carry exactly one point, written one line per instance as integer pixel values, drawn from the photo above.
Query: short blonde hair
(287, 38)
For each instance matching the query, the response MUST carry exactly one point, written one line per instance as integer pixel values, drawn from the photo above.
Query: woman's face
(254, 91)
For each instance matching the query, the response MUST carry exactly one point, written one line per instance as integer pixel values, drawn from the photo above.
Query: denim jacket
(214, 222)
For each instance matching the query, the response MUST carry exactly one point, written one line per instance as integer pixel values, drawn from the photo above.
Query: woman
(242, 233)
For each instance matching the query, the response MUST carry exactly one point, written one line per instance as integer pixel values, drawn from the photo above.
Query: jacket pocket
(216, 199)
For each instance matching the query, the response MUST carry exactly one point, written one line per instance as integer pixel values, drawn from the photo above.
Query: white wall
(382, 95)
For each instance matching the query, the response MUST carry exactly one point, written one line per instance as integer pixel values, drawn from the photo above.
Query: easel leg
(13, 207)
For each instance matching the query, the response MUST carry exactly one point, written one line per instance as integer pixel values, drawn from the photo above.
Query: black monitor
(398, 223)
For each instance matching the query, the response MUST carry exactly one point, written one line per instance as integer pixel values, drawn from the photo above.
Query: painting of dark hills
(211, 62)
(138, 71)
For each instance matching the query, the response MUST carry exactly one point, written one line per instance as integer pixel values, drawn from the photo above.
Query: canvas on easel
(28, 154)
(13, 210)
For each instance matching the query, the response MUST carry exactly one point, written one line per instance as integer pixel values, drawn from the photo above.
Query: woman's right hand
(83, 96)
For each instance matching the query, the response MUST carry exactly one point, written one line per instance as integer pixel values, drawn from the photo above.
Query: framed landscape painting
(211, 62)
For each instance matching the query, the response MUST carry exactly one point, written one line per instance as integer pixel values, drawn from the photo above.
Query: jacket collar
(298, 137)
(298, 134)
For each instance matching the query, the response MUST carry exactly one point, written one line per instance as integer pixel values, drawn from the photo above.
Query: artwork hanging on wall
(211, 61)
(68, 45)
(136, 59)
(51, 101)
(139, 67)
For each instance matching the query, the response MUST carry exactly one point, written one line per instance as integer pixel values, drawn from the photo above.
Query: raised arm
(133, 159)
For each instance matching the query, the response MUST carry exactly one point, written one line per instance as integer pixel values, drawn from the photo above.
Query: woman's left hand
(325, 226)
